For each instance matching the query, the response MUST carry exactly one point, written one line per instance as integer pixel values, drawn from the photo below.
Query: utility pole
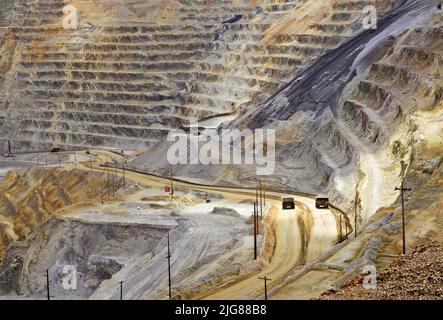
(121, 290)
(124, 177)
(9, 148)
(264, 193)
(103, 178)
(117, 181)
(47, 285)
(90, 161)
(114, 176)
(75, 160)
(256, 198)
(341, 229)
(169, 268)
(172, 187)
(255, 230)
(109, 180)
(266, 286)
(355, 213)
(261, 198)
(403, 189)
(59, 162)
(46, 160)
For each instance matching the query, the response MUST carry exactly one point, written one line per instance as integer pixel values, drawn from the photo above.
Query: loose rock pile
(416, 276)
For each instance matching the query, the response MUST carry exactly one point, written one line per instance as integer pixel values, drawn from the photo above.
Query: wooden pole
(264, 193)
(261, 199)
(266, 286)
(47, 285)
(108, 184)
(403, 189)
(355, 213)
(124, 177)
(172, 187)
(255, 230)
(341, 229)
(169, 268)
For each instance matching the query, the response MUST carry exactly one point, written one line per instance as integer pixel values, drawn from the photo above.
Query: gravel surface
(416, 276)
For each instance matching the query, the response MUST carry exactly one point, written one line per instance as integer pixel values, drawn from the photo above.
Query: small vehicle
(288, 203)
(56, 150)
(322, 203)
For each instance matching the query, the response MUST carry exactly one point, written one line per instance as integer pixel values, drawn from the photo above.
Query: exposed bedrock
(29, 198)
(132, 72)
(97, 251)
(347, 125)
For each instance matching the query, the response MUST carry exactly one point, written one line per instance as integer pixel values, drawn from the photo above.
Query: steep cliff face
(392, 116)
(363, 146)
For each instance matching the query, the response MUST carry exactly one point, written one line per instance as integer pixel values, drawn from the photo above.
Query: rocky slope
(355, 111)
(353, 120)
(30, 197)
(416, 276)
(132, 72)
(126, 240)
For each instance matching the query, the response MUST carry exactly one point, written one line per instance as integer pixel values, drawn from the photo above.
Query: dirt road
(293, 231)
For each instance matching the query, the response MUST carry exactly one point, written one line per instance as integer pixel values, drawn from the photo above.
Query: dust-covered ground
(53, 217)
(415, 276)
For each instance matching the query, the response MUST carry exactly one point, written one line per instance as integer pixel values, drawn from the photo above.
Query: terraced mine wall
(132, 72)
(363, 114)
(348, 124)
(125, 79)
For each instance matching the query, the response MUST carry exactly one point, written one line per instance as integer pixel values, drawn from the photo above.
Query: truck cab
(288, 203)
(322, 203)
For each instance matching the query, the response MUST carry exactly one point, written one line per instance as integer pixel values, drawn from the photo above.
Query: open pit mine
(219, 149)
